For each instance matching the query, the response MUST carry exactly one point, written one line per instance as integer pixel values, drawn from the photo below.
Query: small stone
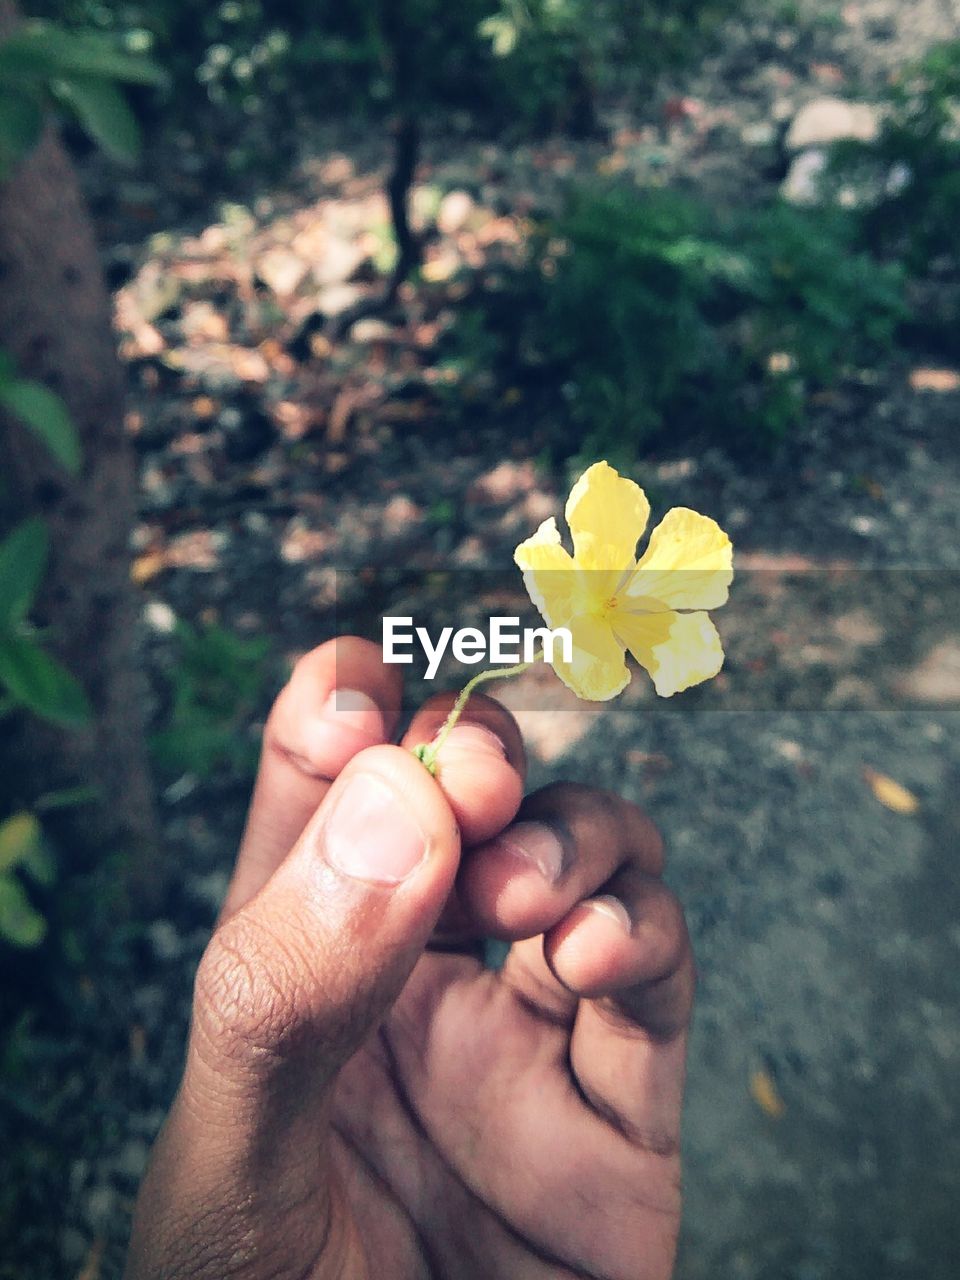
(371, 330)
(338, 262)
(858, 628)
(471, 553)
(505, 483)
(282, 271)
(336, 298)
(159, 617)
(199, 549)
(301, 543)
(802, 183)
(937, 678)
(782, 109)
(760, 134)
(827, 120)
(941, 380)
(454, 212)
(866, 526)
(400, 513)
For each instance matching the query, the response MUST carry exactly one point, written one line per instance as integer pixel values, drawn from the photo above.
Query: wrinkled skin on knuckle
(674, 940)
(250, 990)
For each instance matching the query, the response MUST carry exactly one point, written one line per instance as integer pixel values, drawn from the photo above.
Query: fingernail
(353, 708)
(613, 909)
(370, 835)
(534, 843)
(474, 738)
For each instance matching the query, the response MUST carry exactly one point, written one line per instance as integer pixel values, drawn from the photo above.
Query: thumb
(288, 988)
(308, 966)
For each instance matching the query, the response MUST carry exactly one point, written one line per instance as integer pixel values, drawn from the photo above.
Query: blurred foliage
(23, 854)
(29, 676)
(43, 412)
(907, 182)
(215, 682)
(558, 57)
(54, 926)
(58, 1010)
(658, 313)
(517, 65)
(42, 64)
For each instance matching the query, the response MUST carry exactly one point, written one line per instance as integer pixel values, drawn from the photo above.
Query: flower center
(603, 609)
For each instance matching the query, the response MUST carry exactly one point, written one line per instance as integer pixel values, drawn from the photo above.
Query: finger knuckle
(670, 924)
(247, 996)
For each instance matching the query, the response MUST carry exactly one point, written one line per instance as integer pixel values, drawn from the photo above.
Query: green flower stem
(427, 752)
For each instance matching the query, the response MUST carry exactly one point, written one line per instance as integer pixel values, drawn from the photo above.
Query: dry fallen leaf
(613, 163)
(205, 407)
(934, 380)
(892, 794)
(765, 1095)
(147, 566)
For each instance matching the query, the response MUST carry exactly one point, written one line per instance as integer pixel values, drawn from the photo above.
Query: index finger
(340, 699)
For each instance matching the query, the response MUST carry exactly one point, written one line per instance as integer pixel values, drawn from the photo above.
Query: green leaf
(44, 50)
(21, 123)
(67, 798)
(41, 683)
(47, 416)
(20, 923)
(39, 864)
(502, 32)
(102, 110)
(18, 835)
(22, 847)
(23, 558)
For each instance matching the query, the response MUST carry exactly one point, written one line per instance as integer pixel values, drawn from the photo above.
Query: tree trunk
(55, 322)
(406, 153)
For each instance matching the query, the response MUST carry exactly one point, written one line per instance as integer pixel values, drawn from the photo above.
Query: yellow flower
(611, 602)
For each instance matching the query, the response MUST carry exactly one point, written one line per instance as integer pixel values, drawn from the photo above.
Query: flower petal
(548, 573)
(677, 649)
(687, 565)
(607, 513)
(598, 671)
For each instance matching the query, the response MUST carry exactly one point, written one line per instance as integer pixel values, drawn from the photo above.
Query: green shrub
(515, 64)
(813, 296)
(29, 677)
(43, 64)
(24, 855)
(215, 683)
(556, 58)
(654, 312)
(908, 181)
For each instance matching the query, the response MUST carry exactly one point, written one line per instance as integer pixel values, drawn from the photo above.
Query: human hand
(361, 1097)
